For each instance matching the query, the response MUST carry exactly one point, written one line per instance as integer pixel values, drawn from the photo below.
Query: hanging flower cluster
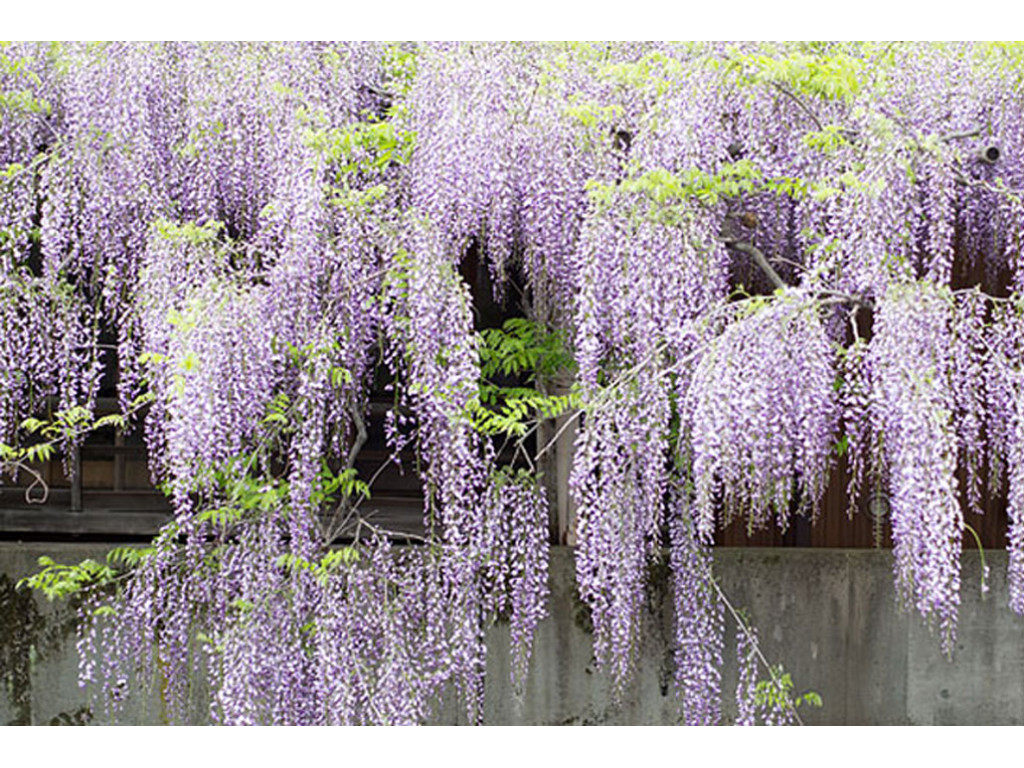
(763, 416)
(515, 563)
(619, 480)
(700, 627)
(48, 349)
(912, 408)
(1005, 427)
(26, 113)
(354, 638)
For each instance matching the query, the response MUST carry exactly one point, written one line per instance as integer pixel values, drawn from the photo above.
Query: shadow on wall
(830, 617)
(28, 637)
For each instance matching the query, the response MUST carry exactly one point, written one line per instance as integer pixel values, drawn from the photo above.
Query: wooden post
(76, 479)
(565, 448)
(119, 461)
(556, 464)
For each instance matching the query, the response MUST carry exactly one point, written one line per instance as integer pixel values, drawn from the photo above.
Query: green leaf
(113, 419)
(32, 425)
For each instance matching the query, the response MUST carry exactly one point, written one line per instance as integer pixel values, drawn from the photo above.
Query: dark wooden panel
(110, 522)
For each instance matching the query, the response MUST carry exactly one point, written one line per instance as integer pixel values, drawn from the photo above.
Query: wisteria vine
(762, 260)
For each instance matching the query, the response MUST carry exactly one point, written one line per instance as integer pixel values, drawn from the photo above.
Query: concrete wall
(829, 616)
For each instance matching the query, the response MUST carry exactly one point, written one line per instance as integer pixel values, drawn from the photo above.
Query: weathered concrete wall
(829, 616)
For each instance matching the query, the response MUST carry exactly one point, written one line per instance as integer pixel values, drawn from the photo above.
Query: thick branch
(968, 134)
(799, 102)
(839, 297)
(360, 438)
(826, 296)
(966, 181)
(760, 259)
(339, 519)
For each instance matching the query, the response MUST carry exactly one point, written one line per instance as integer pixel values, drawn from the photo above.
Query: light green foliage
(665, 197)
(777, 693)
(11, 171)
(243, 491)
(365, 151)
(665, 188)
(400, 66)
(189, 232)
(210, 253)
(198, 138)
(513, 409)
(592, 114)
(362, 200)
(322, 569)
(64, 426)
(128, 557)
(58, 581)
(828, 140)
(20, 101)
(23, 101)
(278, 410)
(524, 349)
(312, 354)
(331, 487)
(368, 147)
(1007, 57)
(813, 73)
(654, 73)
